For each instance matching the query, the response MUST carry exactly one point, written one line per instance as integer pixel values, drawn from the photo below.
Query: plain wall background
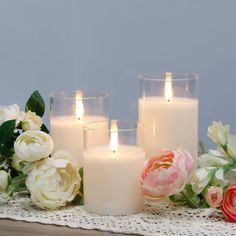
(104, 45)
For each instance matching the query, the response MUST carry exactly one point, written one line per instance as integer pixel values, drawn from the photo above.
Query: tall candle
(111, 178)
(169, 121)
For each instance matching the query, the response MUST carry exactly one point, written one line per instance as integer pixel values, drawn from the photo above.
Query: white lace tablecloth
(166, 219)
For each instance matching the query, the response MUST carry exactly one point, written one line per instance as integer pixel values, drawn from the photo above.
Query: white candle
(67, 133)
(169, 122)
(111, 178)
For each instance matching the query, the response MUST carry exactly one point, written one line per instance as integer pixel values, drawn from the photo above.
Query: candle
(169, 122)
(67, 130)
(111, 177)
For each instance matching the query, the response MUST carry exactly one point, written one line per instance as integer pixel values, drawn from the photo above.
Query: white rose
(31, 121)
(201, 178)
(231, 147)
(33, 145)
(53, 182)
(17, 163)
(219, 179)
(209, 159)
(4, 180)
(9, 113)
(218, 132)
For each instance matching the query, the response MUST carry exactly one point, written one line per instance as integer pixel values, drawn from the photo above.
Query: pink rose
(229, 203)
(166, 174)
(214, 196)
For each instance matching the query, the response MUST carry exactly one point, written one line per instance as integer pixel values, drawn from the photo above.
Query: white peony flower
(201, 178)
(4, 180)
(209, 159)
(9, 113)
(33, 145)
(31, 121)
(52, 182)
(218, 132)
(231, 147)
(17, 163)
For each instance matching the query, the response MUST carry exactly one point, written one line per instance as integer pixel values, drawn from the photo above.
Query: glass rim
(138, 125)
(160, 77)
(63, 94)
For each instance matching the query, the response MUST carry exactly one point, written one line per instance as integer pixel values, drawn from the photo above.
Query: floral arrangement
(27, 164)
(212, 184)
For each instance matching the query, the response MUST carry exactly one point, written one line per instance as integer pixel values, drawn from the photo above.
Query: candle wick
(168, 100)
(114, 151)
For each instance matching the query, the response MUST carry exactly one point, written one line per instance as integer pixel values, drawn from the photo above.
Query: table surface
(20, 228)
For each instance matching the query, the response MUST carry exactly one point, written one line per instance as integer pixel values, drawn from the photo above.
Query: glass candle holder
(112, 168)
(70, 110)
(168, 108)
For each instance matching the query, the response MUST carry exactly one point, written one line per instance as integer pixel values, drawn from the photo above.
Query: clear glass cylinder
(168, 108)
(70, 110)
(112, 167)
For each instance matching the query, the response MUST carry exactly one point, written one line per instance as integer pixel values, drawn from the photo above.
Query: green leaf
(79, 200)
(202, 148)
(7, 131)
(35, 104)
(18, 183)
(192, 198)
(44, 128)
(81, 172)
(6, 151)
(178, 198)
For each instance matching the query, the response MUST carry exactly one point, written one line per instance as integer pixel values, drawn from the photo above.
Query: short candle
(111, 177)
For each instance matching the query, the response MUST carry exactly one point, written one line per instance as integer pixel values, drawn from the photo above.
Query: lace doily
(164, 219)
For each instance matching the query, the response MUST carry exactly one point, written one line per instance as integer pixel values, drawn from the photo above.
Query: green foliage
(7, 138)
(202, 148)
(79, 199)
(189, 198)
(81, 172)
(18, 183)
(44, 128)
(35, 104)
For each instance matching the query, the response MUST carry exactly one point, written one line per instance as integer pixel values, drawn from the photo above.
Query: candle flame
(168, 86)
(79, 106)
(114, 136)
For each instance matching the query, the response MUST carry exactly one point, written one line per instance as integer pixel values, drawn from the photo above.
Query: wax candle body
(67, 133)
(169, 124)
(111, 180)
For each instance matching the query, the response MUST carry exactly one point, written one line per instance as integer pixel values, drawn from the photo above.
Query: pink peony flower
(228, 207)
(166, 174)
(214, 196)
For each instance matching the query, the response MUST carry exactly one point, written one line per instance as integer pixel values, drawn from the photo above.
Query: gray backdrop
(104, 44)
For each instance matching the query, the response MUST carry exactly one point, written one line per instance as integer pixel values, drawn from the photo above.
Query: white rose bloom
(209, 159)
(219, 179)
(17, 163)
(31, 121)
(53, 182)
(4, 180)
(33, 145)
(218, 132)
(231, 147)
(201, 178)
(9, 113)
